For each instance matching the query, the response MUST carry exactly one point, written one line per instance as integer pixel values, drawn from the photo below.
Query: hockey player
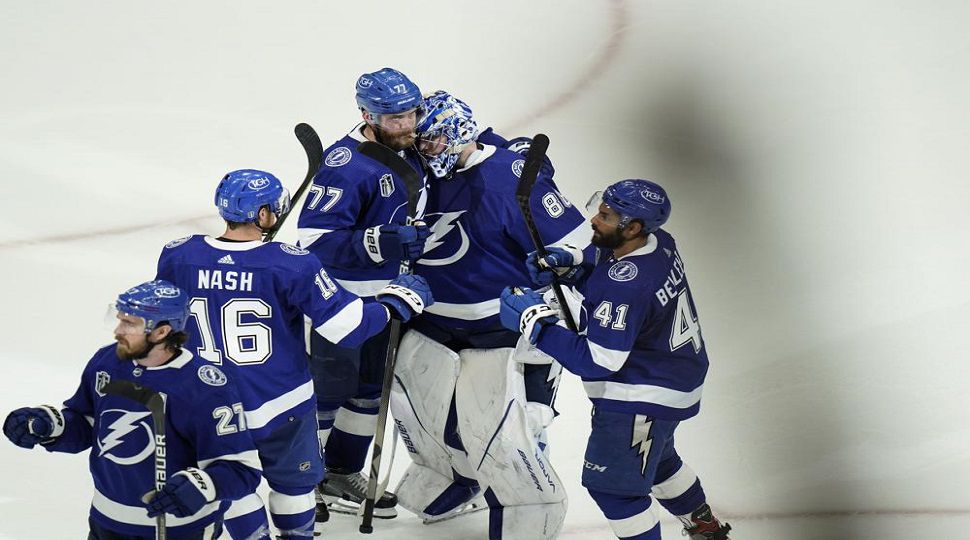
(454, 370)
(210, 454)
(249, 300)
(641, 357)
(354, 221)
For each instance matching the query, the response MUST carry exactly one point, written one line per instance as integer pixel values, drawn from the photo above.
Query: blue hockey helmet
(451, 117)
(242, 193)
(156, 302)
(387, 91)
(639, 199)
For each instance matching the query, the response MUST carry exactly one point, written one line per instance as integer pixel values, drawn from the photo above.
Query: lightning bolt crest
(440, 229)
(119, 428)
(641, 438)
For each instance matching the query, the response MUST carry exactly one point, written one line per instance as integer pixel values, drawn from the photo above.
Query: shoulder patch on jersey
(212, 375)
(517, 167)
(177, 242)
(293, 250)
(387, 185)
(101, 379)
(338, 156)
(623, 271)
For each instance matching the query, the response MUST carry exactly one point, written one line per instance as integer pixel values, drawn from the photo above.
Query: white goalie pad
(500, 433)
(424, 382)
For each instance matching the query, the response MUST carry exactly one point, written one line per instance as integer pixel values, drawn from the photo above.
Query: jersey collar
(478, 156)
(647, 249)
(232, 246)
(179, 361)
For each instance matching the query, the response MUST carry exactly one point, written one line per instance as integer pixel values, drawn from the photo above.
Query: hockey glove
(406, 296)
(564, 260)
(522, 310)
(183, 495)
(29, 426)
(395, 242)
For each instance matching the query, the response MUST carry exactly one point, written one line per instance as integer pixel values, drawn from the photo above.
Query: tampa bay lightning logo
(166, 292)
(177, 242)
(124, 437)
(338, 156)
(293, 250)
(517, 167)
(448, 242)
(623, 271)
(212, 375)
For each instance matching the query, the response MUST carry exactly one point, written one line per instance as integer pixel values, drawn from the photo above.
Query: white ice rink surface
(815, 154)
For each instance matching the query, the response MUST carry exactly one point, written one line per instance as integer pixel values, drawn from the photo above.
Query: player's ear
(160, 333)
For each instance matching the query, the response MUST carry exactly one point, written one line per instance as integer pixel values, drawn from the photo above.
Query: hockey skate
(704, 526)
(345, 494)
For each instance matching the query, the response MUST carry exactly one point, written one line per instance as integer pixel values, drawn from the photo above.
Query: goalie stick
(155, 403)
(401, 168)
(314, 154)
(523, 194)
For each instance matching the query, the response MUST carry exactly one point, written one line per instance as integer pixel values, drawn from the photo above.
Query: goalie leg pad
(501, 437)
(421, 402)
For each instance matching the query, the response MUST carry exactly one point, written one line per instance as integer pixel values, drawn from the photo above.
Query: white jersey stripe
(607, 358)
(344, 322)
(266, 412)
(249, 458)
(306, 236)
(644, 393)
(136, 515)
(466, 312)
(363, 288)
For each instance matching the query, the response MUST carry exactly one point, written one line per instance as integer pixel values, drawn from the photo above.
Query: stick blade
(533, 162)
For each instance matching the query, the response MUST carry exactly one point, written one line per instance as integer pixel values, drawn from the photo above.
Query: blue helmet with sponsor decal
(156, 302)
(242, 193)
(387, 91)
(448, 122)
(639, 199)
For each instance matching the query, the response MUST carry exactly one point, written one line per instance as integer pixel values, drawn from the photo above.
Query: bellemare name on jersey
(229, 280)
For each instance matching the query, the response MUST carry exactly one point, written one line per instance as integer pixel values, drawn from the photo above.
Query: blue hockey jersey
(203, 429)
(479, 239)
(642, 351)
(350, 193)
(248, 302)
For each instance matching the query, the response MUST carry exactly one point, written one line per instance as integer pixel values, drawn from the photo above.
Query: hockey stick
(390, 159)
(314, 156)
(533, 161)
(155, 402)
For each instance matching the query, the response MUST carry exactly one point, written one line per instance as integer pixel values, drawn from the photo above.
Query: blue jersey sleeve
(224, 448)
(329, 221)
(557, 220)
(616, 313)
(337, 314)
(78, 413)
